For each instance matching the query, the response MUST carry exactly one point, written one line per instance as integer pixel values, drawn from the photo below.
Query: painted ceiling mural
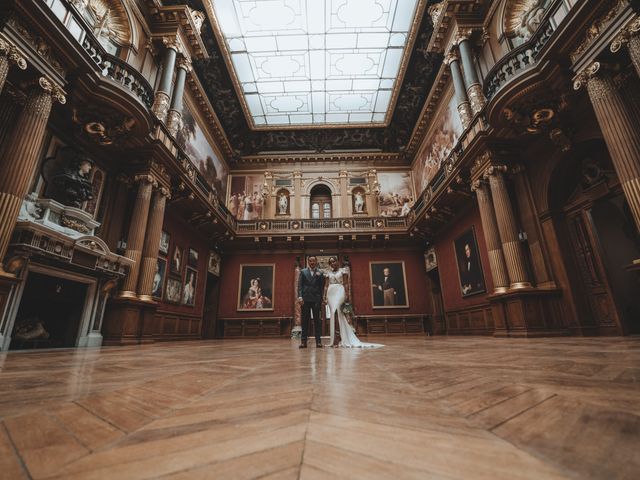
(421, 71)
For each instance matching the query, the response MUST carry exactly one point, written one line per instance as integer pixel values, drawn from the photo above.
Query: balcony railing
(341, 225)
(520, 58)
(108, 65)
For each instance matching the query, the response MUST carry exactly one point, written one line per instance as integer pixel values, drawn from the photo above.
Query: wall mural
(396, 194)
(245, 197)
(193, 140)
(439, 143)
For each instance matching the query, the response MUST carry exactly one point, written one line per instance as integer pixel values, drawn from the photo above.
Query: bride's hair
(331, 259)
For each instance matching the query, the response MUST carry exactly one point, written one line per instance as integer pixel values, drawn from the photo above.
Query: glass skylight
(316, 62)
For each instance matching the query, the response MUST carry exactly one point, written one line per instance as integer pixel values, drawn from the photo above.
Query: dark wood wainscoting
(257, 327)
(176, 326)
(390, 324)
(476, 320)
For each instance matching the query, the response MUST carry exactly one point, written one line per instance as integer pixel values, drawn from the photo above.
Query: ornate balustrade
(109, 65)
(521, 57)
(341, 225)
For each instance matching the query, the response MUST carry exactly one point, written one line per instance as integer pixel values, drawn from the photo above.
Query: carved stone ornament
(523, 17)
(103, 126)
(161, 105)
(13, 54)
(198, 19)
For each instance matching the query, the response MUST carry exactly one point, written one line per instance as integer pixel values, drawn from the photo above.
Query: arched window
(320, 202)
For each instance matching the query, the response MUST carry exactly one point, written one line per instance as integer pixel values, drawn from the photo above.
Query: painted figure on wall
(192, 139)
(388, 285)
(439, 143)
(396, 194)
(469, 266)
(254, 299)
(255, 289)
(245, 200)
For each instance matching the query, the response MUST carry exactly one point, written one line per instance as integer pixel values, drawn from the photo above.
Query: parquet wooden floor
(420, 407)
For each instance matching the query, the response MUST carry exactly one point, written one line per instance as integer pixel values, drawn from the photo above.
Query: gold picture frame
(397, 295)
(256, 297)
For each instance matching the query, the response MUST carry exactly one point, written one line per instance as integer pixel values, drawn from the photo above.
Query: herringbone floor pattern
(419, 408)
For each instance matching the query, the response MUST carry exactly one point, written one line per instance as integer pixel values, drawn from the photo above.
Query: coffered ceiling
(317, 75)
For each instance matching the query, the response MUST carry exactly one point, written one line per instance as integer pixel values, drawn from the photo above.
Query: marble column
(345, 198)
(152, 244)
(505, 218)
(9, 54)
(137, 230)
(492, 237)
(296, 200)
(474, 88)
(161, 102)
(464, 109)
(617, 121)
(20, 158)
(175, 112)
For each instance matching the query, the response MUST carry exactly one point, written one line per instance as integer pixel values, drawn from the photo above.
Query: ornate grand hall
(300, 239)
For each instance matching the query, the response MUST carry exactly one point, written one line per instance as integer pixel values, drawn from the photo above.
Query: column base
(528, 312)
(128, 321)
(7, 282)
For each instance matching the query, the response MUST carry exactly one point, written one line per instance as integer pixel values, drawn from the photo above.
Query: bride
(335, 295)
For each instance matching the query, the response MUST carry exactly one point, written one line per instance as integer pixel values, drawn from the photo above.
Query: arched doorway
(321, 207)
(598, 239)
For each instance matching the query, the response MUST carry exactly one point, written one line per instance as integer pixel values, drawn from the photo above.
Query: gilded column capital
(478, 184)
(52, 88)
(268, 175)
(630, 30)
(462, 34)
(165, 192)
(297, 174)
(586, 74)
(146, 178)
(10, 51)
(495, 170)
(451, 56)
(372, 173)
(173, 43)
(343, 173)
(185, 64)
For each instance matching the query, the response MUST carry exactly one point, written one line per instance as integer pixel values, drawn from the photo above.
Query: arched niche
(358, 201)
(520, 18)
(112, 23)
(283, 202)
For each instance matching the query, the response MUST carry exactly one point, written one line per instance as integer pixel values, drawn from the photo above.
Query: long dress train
(335, 298)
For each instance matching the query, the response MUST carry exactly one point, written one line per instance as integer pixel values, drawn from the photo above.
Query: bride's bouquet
(347, 309)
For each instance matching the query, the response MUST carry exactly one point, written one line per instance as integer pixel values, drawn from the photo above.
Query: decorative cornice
(595, 30)
(630, 30)
(10, 51)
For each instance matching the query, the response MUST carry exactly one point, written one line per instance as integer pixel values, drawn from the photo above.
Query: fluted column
(345, 199)
(464, 109)
(137, 229)
(505, 218)
(474, 88)
(161, 103)
(492, 237)
(175, 112)
(619, 129)
(296, 201)
(19, 161)
(9, 54)
(152, 243)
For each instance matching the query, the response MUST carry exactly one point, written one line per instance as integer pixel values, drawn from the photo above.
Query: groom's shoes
(303, 345)
(318, 345)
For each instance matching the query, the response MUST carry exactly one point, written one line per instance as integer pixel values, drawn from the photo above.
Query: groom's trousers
(307, 308)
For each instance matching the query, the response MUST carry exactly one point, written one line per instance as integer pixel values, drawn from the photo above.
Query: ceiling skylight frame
(354, 119)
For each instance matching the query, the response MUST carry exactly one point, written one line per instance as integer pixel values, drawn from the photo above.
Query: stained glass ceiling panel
(316, 62)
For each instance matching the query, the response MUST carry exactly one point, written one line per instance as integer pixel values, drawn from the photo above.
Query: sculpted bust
(73, 187)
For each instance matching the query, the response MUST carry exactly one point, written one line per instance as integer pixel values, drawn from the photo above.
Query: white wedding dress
(335, 299)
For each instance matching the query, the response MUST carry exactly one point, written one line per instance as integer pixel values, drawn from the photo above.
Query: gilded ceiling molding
(630, 30)
(377, 157)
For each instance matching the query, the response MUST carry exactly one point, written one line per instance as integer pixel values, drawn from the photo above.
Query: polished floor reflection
(418, 408)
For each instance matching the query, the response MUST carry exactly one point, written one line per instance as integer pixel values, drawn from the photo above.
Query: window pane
(315, 211)
(327, 210)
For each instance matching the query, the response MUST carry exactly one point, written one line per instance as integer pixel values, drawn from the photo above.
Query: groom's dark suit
(311, 289)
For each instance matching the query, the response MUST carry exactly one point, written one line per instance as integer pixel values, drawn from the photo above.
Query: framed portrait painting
(158, 278)
(189, 288)
(173, 290)
(388, 284)
(469, 266)
(164, 243)
(430, 259)
(255, 287)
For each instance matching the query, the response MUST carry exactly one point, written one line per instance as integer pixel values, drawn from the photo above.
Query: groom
(310, 291)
